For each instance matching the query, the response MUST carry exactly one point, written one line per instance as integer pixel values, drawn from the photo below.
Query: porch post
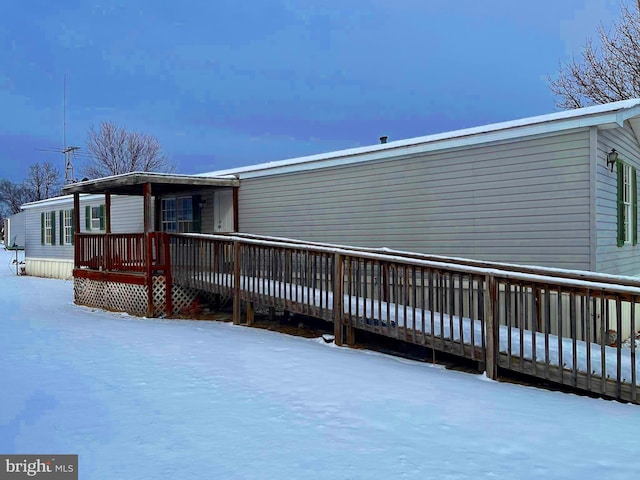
(108, 257)
(338, 299)
(236, 283)
(146, 190)
(107, 212)
(236, 215)
(492, 327)
(76, 229)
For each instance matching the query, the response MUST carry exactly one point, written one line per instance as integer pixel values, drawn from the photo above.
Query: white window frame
(95, 218)
(168, 217)
(627, 202)
(177, 214)
(47, 228)
(67, 224)
(184, 211)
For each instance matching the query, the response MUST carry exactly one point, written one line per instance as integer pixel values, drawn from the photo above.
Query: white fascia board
(59, 201)
(626, 114)
(397, 149)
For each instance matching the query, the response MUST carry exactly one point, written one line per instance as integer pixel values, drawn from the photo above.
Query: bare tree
(43, 180)
(114, 151)
(12, 195)
(605, 73)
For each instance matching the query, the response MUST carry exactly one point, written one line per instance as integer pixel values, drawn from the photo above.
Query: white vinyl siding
(126, 217)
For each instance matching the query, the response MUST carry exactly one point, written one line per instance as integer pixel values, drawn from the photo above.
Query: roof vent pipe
(383, 139)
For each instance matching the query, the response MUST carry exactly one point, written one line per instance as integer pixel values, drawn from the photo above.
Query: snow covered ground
(155, 399)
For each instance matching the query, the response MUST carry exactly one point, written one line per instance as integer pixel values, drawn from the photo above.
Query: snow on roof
(62, 199)
(615, 112)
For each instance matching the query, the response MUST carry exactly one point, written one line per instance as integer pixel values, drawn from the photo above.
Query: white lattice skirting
(124, 297)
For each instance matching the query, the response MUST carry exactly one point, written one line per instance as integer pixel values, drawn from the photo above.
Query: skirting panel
(124, 297)
(117, 297)
(49, 268)
(182, 298)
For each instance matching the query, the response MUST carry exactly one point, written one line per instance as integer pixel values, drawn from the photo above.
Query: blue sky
(229, 83)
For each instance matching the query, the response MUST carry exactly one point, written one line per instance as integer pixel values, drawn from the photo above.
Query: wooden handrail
(537, 321)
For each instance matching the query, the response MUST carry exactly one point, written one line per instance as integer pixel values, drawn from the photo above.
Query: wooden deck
(556, 325)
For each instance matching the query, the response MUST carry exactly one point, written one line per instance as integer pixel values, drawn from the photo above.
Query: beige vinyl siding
(524, 201)
(610, 258)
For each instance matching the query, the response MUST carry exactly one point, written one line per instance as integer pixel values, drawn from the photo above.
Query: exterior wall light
(612, 158)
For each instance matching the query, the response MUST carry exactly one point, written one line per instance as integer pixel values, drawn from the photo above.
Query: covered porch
(131, 271)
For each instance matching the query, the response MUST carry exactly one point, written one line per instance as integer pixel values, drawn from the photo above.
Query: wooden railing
(567, 329)
(122, 252)
(562, 326)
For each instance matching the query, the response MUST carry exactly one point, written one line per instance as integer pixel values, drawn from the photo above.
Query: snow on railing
(563, 326)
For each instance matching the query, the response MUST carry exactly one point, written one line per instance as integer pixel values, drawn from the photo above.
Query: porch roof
(161, 183)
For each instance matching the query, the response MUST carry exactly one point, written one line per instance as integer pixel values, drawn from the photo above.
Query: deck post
(167, 273)
(250, 313)
(146, 190)
(236, 283)
(76, 229)
(491, 327)
(108, 254)
(338, 299)
(236, 213)
(107, 212)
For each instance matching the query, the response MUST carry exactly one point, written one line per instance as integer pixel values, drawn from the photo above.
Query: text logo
(49, 467)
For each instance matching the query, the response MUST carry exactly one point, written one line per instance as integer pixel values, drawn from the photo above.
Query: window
(169, 215)
(48, 228)
(179, 215)
(66, 227)
(627, 205)
(185, 214)
(94, 218)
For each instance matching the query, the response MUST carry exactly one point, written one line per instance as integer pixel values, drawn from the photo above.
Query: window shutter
(197, 213)
(87, 218)
(61, 213)
(620, 204)
(42, 228)
(634, 203)
(73, 226)
(102, 217)
(53, 228)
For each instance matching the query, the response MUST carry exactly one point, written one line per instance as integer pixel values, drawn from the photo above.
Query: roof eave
(128, 181)
(401, 148)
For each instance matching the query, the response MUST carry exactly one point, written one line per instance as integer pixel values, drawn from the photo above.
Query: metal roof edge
(427, 147)
(626, 114)
(613, 114)
(58, 200)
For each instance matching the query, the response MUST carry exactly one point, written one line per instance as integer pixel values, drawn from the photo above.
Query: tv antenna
(68, 152)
